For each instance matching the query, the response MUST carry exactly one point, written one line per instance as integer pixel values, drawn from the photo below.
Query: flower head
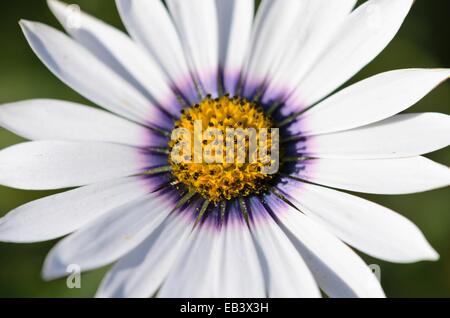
(212, 170)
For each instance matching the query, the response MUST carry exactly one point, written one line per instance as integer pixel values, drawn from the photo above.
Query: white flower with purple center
(196, 229)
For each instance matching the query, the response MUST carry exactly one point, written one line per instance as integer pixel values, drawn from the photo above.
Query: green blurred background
(422, 42)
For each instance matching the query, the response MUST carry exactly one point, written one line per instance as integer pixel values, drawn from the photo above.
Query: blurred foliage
(422, 42)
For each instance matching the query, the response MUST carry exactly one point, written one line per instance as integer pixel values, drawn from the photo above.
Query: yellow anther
(218, 177)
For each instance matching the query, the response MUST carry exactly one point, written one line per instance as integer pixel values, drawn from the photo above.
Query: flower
(184, 229)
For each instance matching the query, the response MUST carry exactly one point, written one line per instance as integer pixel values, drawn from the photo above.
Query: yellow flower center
(209, 160)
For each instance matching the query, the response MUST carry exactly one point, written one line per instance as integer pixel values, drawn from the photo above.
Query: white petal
(235, 25)
(378, 176)
(217, 261)
(404, 135)
(80, 70)
(370, 100)
(61, 214)
(150, 25)
(108, 238)
(46, 119)
(240, 273)
(273, 22)
(366, 32)
(336, 268)
(286, 273)
(196, 22)
(140, 273)
(316, 26)
(119, 52)
(369, 227)
(44, 165)
(194, 273)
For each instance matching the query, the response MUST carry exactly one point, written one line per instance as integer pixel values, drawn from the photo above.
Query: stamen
(188, 196)
(221, 174)
(202, 212)
(158, 170)
(223, 209)
(244, 210)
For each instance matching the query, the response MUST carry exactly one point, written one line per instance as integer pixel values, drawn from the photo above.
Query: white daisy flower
(224, 230)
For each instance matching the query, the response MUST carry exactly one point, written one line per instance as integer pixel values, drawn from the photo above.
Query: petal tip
(55, 4)
(445, 72)
(25, 23)
(431, 255)
(424, 253)
(3, 232)
(52, 269)
(28, 27)
(57, 7)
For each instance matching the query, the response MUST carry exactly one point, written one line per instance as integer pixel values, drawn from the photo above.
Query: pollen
(220, 147)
